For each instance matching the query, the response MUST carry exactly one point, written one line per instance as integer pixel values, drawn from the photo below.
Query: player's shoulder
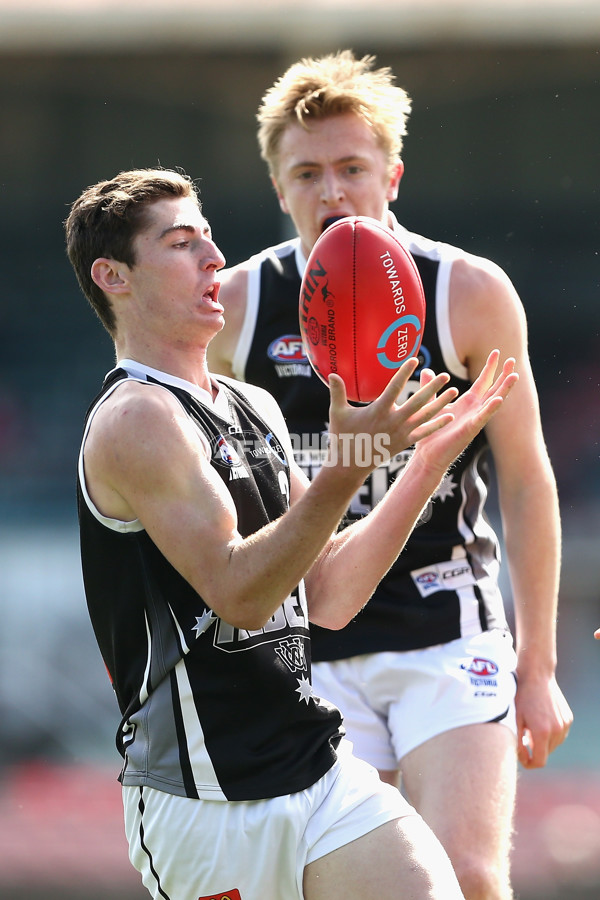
(483, 302)
(472, 276)
(233, 284)
(234, 279)
(135, 406)
(424, 247)
(468, 266)
(121, 437)
(477, 277)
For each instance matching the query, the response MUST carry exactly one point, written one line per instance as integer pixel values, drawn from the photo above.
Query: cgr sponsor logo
(454, 573)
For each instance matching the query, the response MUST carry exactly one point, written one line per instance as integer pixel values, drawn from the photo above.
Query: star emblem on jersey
(446, 488)
(304, 689)
(204, 622)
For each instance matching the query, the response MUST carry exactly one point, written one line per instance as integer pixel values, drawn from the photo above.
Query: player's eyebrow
(343, 160)
(177, 227)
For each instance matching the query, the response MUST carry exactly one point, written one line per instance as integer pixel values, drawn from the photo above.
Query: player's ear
(394, 183)
(109, 275)
(280, 197)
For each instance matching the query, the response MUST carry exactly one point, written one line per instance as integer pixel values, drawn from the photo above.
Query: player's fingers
(426, 376)
(505, 380)
(398, 382)
(337, 391)
(482, 416)
(425, 394)
(507, 384)
(485, 379)
(431, 426)
(435, 406)
(497, 395)
(525, 749)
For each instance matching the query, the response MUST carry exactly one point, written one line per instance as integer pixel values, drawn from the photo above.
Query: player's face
(336, 168)
(174, 280)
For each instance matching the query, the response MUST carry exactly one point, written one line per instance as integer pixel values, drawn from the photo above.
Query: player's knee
(481, 880)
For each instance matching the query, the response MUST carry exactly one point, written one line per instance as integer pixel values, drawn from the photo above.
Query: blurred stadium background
(503, 157)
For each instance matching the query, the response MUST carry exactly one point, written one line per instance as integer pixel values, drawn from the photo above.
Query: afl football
(362, 306)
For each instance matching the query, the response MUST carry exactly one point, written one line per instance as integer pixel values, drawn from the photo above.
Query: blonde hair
(332, 85)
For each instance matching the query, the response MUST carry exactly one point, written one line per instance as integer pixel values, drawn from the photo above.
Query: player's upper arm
(486, 312)
(144, 460)
(232, 295)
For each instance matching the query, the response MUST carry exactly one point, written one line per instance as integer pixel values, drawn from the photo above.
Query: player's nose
(212, 258)
(331, 188)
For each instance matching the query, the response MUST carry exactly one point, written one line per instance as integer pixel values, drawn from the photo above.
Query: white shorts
(200, 849)
(393, 702)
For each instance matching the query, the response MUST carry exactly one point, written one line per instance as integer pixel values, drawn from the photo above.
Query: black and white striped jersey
(208, 710)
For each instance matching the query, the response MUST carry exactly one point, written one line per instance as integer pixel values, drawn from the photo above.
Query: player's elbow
(332, 619)
(242, 613)
(244, 609)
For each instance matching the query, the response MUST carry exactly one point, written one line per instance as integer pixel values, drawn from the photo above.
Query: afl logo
(287, 348)
(482, 668)
(226, 452)
(427, 578)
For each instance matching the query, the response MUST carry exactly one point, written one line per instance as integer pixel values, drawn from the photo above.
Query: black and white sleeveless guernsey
(208, 710)
(444, 584)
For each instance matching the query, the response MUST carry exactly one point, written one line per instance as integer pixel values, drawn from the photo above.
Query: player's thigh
(463, 783)
(344, 683)
(402, 860)
(186, 848)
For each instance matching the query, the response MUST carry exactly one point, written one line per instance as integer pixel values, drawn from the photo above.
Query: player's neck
(186, 363)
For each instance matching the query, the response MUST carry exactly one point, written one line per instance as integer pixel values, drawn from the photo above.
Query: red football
(362, 307)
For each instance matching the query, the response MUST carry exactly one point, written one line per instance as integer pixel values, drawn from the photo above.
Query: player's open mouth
(330, 221)
(212, 294)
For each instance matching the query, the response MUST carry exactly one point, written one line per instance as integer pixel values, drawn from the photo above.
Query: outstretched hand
(398, 426)
(442, 425)
(470, 412)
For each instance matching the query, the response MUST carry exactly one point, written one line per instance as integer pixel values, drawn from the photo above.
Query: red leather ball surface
(362, 307)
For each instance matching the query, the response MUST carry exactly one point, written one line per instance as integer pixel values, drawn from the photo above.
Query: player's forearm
(358, 557)
(532, 536)
(263, 569)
